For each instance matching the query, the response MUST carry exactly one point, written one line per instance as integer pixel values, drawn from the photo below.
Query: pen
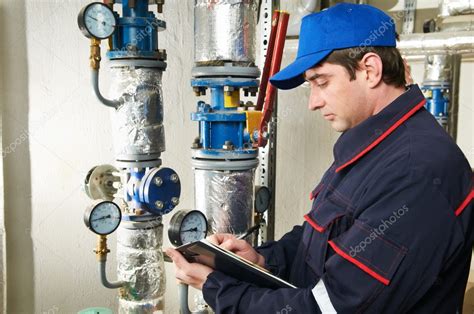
(248, 232)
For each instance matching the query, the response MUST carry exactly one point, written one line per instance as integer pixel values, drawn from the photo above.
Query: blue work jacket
(390, 229)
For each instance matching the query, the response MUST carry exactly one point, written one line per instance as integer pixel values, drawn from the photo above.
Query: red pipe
(268, 62)
(275, 67)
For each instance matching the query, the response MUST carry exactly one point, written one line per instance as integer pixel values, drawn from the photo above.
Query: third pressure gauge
(103, 217)
(187, 226)
(263, 198)
(97, 20)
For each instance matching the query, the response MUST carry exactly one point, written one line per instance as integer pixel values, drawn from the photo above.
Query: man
(391, 227)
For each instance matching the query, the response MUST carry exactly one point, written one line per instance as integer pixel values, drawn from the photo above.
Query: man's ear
(372, 68)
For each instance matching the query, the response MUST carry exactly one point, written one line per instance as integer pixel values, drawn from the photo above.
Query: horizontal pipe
(436, 43)
(456, 7)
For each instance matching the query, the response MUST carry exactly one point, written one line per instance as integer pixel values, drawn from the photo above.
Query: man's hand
(193, 274)
(240, 247)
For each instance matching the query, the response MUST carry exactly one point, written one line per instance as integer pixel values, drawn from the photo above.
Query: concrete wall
(57, 131)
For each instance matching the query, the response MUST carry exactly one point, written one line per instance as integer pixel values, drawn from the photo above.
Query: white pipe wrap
(226, 198)
(437, 43)
(225, 30)
(456, 7)
(138, 121)
(140, 263)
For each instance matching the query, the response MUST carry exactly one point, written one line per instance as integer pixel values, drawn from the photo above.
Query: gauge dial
(97, 20)
(187, 226)
(103, 218)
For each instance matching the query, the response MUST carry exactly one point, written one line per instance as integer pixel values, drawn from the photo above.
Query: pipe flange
(141, 222)
(224, 165)
(124, 164)
(144, 63)
(217, 71)
(220, 154)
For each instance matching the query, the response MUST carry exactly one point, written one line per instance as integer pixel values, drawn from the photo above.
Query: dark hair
(393, 72)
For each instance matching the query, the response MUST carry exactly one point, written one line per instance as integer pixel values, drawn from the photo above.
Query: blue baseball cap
(341, 26)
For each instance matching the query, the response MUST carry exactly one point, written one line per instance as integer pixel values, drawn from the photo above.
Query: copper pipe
(268, 62)
(275, 67)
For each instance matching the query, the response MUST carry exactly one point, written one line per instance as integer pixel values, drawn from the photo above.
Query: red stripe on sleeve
(369, 271)
(313, 224)
(464, 204)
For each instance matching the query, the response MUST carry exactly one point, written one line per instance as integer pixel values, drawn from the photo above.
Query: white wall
(59, 131)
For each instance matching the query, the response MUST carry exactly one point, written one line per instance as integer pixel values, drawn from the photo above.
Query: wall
(59, 131)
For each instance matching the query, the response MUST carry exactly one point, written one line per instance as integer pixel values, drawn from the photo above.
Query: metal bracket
(265, 175)
(409, 16)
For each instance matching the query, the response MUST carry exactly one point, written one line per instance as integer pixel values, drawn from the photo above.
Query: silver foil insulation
(226, 198)
(138, 122)
(438, 68)
(224, 31)
(140, 264)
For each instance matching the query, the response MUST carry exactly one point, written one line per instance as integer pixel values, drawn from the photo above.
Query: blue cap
(341, 26)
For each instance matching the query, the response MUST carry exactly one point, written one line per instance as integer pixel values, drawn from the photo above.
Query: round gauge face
(104, 218)
(97, 20)
(262, 199)
(193, 227)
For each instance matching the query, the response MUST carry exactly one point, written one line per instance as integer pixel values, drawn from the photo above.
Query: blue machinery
(224, 155)
(139, 186)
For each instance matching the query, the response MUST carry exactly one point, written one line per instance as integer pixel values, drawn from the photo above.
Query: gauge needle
(189, 230)
(102, 22)
(101, 218)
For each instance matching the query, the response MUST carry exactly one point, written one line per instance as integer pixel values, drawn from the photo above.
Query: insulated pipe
(456, 7)
(437, 43)
(303, 10)
(103, 277)
(102, 99)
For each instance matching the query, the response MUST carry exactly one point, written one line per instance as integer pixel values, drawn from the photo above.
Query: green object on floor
(96, 310)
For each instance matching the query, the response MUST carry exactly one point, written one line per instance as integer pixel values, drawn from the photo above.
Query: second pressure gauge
(103, 217)
(97, 20)
(187, 226)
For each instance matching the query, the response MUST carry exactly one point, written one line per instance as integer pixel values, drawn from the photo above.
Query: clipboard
(229, 263)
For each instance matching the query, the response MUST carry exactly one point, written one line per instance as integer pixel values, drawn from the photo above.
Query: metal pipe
(275, 67)
(102, 99)
(303, 10)
(437, 43)
(453, 109)
(140, 263)
(103, 277)
(224, 31)
(456, 7)
(183, 299)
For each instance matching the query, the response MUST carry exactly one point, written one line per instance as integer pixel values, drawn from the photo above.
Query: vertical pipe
(454, 106)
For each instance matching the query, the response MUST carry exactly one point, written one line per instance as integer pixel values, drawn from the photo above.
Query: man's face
(342, 102)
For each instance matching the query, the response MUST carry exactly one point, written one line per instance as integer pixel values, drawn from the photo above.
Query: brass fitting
(160, 4)
(95, 54)
(101, 250)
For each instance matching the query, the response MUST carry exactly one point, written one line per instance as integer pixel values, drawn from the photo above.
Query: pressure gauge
(103, 217)
(97, 20)
(187, 226)
(262, 199)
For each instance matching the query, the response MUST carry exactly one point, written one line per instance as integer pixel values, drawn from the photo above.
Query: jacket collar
(358, 141)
